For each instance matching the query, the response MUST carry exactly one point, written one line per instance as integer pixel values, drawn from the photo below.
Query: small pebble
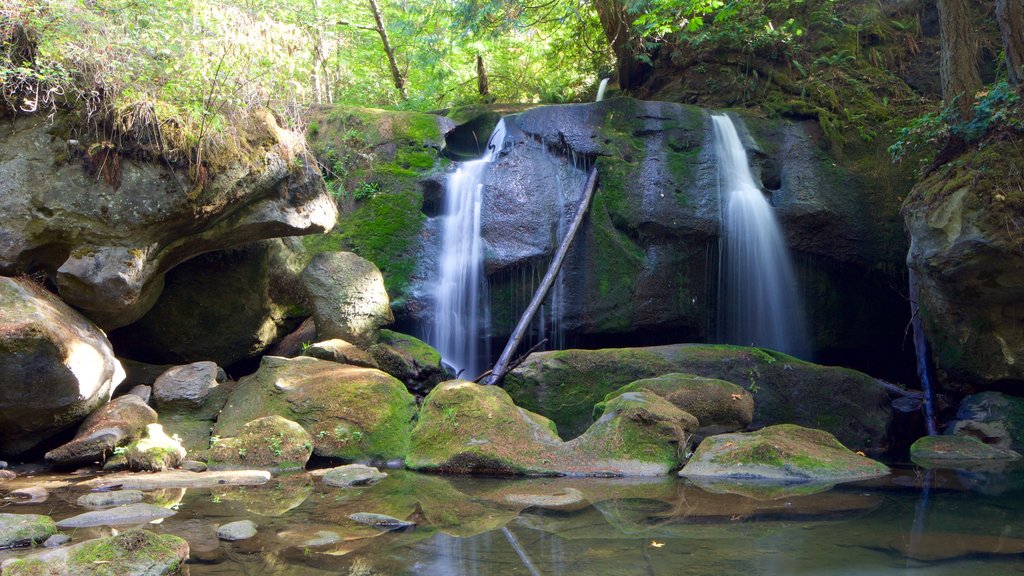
(241, 530)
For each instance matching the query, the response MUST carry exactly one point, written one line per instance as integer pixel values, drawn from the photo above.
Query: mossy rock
(468, 428)
(782, 453)
(155, 452)
(352, 413)
(25, 529)
(566, 385)
(131, 553)
(718, 405)
(409, 359)
(950, 450)
(342, 352)
(270, 443)
(992, 417)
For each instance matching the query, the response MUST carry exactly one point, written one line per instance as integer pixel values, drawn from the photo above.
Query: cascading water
(460, 298)
(600, 90)
(921, 352)
(759, 304)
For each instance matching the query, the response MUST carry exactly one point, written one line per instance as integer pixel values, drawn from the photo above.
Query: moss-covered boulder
(782, 453)
(468, 428)
(352, 413)
(967, 252)
(718, 405)
(117, 423)
(409, 359)
(56, 366)
(347, 296)
(951, 450)
(270, 443)
(566, 385)
(130, 553)
(155, 452)
(342, 352)
(992, 417)
(24, 529)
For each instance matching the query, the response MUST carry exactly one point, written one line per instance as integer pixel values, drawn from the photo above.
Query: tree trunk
(958, 66)
(617, 25)
(317, 53)
(481, 78)
(1010, 14)
(396, 75)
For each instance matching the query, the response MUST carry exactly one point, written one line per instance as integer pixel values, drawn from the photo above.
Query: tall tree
(1010, 14)
(617, 24)
(396, 74)
(958, 65)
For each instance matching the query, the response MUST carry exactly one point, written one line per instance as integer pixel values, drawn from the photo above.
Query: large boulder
(225, 306)
(116, 424)
(24, 529)
(409, 359)
(270, 443)
(718, 405)
(155, 452)
(133, 553)
(993, 418)
(186, 386)
(108, 243)
(956, 451)
(471, 428)
(55, 366)
(566, 385)
(966, 252)
(347, 296)
(352, 413)
(782, 453)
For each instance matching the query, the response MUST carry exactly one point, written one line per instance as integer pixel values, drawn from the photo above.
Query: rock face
(964, 221)
(56, 366)
(352, 413)
(108, 247)
(347, 296)
(783, 453)
(470, 428)
(992, 417)
(122, 420)
(566, 385)
(269, 443)
(952, 450)
(409, 359)
(134, 553)
(718, 405)
(223, 306)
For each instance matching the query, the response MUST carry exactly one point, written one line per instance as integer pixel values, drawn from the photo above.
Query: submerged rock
(270, 443)
(563, 500)
(470, 428)
(56, 366)
(719, 406)
(351, 413)
(992, 417)
(120, 516)
(381, 521)
(240, 530)
(566, 385)
(409, 359)
(348, 297)
(24, 529)
(939, 546)
(133, 553)
(781, 453)
(352, 475)
(122, 420)
(113, 498)
(950, 450)
(180, 479)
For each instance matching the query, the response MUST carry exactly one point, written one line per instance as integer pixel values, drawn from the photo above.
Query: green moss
(123, 554)
(420, 351)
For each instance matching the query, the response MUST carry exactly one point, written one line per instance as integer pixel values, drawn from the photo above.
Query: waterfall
(600, 90)
(759, 304)
(461, 314)
(921, 352)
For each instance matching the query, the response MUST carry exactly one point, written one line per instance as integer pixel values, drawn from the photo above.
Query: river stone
(133, 553)
(28, 495)
(564, 500)
(348, 297)
(240, 530)
(56, 541)
(115, 424)
(116, 243)
(950, 450)
(352, 475)
(142, 391)
(120, 516)
(7, 475)
(565, 386)
(352, 413)
(56, 366)
(24, 529)
(270, 443)
(992, 417)
(380, 521)
(718, 405)
(155, 452)
(180, 479)
(471, 428)
(106, 499)
(409, 359)
(342, 352)
(186, 386)
(780, 453)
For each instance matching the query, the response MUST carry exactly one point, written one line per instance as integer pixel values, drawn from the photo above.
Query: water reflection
(916, 522)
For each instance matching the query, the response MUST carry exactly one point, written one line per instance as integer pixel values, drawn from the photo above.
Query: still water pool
(914, 522)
